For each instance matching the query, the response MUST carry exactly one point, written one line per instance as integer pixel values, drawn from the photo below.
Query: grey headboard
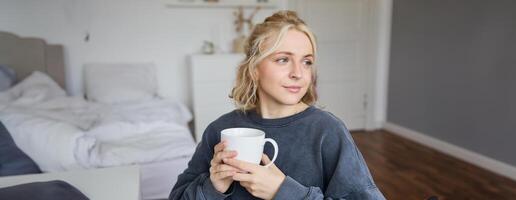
(26, 55)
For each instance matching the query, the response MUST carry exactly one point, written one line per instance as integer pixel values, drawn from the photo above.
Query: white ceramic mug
(248, 143)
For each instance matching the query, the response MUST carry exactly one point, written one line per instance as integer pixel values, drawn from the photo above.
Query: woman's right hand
(221, 175)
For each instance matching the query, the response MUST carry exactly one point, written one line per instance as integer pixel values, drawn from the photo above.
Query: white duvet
(64, 133)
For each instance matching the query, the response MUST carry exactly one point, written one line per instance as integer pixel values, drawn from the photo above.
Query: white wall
(123, 31)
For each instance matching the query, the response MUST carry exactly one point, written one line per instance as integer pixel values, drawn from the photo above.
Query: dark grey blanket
(12, 160)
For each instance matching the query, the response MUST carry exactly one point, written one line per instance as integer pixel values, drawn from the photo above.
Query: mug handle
(276, 149)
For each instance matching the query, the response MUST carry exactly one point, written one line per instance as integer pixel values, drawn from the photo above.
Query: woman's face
(285, 75)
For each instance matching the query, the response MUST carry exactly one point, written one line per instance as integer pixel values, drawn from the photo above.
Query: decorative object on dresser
(208, 47)
(240, 21)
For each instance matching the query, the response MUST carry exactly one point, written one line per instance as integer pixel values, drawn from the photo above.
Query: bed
(100, 131)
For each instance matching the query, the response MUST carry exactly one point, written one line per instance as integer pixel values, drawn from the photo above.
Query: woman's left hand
(262, 182)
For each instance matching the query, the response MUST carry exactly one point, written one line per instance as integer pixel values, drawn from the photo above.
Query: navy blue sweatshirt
(316, 153)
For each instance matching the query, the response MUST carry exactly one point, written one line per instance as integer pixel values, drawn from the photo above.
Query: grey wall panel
(453, 73)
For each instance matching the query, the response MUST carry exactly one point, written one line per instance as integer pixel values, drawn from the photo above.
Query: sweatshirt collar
(257, 118)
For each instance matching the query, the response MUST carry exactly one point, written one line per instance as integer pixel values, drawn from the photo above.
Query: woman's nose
(295, 72)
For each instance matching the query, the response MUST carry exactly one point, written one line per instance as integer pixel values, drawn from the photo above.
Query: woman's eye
(308, 62)
(282, 60)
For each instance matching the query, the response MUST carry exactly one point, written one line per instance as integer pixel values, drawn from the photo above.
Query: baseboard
(477, 159)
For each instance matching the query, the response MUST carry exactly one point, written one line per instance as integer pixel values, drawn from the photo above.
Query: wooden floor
(403, 169)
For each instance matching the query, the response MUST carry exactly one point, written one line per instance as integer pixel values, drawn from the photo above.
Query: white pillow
(120, 82)
(35, 88)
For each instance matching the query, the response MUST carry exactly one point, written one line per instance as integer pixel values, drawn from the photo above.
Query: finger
(227, 154)
(219, 147)
(225, 174)
(265, 159)
(217, 158)
(223, 167)
(246, 166)
(243, 177)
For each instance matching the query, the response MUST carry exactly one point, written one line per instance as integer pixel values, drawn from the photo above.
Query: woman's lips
(293, 89)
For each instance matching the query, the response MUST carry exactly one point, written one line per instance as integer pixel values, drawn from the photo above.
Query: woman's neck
(279, 111)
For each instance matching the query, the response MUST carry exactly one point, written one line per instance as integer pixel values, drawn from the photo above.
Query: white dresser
(213, 77)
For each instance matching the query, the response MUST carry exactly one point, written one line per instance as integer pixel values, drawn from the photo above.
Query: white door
(339, 26)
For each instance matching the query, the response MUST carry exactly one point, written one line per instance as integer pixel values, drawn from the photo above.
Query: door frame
(379, 20)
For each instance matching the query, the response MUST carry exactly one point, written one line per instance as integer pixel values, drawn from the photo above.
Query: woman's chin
(291, 101)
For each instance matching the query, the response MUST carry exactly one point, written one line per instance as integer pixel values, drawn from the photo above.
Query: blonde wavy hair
(245, 91)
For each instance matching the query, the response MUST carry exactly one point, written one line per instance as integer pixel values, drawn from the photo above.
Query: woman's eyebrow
(290, 53)
(284, 52)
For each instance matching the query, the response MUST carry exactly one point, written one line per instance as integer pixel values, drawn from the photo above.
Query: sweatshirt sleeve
(194, 183)
(346, 175)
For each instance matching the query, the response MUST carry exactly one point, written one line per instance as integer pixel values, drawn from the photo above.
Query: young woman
(275, 91)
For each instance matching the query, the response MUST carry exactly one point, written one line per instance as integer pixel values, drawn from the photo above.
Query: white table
(96, 184)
